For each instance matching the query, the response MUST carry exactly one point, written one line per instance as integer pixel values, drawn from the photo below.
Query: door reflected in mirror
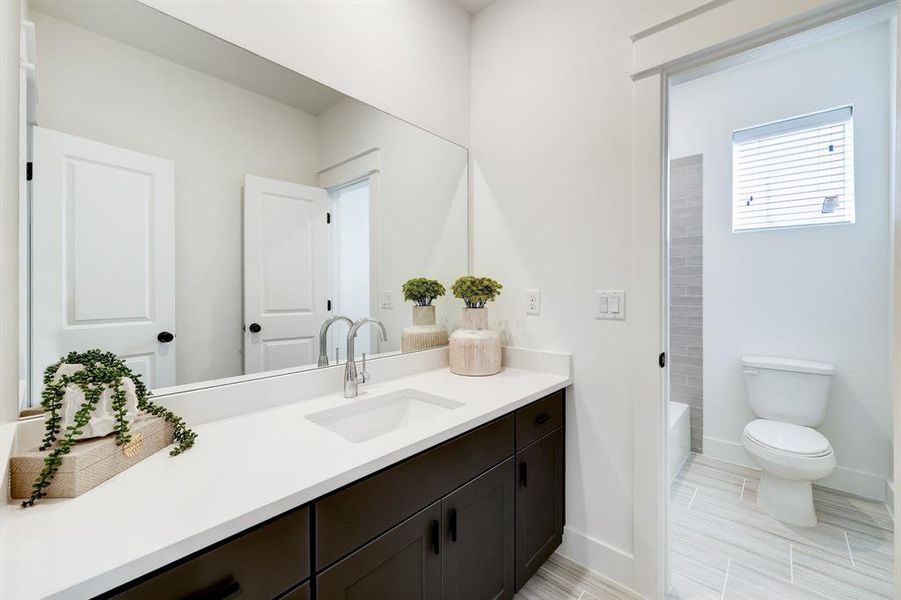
(201, 211)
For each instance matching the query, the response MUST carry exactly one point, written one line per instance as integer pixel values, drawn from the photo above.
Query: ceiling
(474, 6)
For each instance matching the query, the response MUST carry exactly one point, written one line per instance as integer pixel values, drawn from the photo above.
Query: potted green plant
(424, 333)
(90, 395)
(475, 349)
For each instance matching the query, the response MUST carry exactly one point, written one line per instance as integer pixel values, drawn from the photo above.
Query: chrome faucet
(351, 379)
(323, 331)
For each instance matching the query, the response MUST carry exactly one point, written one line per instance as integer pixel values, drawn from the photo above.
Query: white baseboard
(614, 564)
(843, 479)
(890, 497)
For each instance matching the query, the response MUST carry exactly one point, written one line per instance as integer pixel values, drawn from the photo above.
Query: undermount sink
(368, 418)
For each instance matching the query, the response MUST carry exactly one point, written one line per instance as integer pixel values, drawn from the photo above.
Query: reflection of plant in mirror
(476, 291)
(100, 371)
(422, 291)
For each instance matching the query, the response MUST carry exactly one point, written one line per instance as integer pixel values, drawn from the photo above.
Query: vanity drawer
(538, 419)
(351, 517)
(261, 563)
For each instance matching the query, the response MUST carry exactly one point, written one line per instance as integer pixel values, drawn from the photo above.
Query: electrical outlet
(533, 302)
(386, 299)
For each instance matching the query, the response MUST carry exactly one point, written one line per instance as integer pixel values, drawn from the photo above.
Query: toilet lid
(788, 437)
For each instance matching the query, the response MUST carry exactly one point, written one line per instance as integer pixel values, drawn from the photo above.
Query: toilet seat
(790, 451)
(788, 438)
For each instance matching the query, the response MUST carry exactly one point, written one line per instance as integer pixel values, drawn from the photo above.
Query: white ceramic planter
(474, 349)
(103, 419)
(423, 333)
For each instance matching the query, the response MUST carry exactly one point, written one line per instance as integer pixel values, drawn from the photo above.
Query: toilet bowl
(790, 396)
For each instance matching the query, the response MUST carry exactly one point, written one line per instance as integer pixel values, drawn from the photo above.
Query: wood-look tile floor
(561, 579)
(722, 546)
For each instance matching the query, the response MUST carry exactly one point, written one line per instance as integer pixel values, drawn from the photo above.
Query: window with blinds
(794, 173)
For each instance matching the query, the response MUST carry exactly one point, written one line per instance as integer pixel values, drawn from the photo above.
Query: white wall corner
(607, 561)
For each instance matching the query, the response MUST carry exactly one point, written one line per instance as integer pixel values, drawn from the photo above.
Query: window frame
(782, 127)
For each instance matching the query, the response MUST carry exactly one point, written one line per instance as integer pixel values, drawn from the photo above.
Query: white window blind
(794, 173)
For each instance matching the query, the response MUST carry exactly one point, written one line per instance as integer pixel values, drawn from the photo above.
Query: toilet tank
(788, 389)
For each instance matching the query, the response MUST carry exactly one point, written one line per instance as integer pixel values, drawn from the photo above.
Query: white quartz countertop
(244, 470)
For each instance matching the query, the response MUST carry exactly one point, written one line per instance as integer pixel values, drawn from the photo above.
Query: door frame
(650, 267)
(364, 165)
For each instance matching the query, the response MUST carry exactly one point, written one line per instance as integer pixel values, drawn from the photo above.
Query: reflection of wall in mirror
(215, 132)
(421, 223)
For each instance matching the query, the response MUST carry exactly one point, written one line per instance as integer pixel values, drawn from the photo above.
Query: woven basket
(90, 462)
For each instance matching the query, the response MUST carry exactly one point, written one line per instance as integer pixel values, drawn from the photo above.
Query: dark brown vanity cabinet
(404, 564)
(477, 557)
(263, 562)
(539, 503)
(469, 519)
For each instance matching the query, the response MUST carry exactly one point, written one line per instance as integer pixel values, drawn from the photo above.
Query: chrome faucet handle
(364, 375)
(337, 355)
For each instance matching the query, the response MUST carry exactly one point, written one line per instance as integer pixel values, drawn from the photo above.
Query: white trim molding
(353, 168)
(735, 27)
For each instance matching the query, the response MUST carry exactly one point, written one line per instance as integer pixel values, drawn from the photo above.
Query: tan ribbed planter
(423, 333)
(474, 349)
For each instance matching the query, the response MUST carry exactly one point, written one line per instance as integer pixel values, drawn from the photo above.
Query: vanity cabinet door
(402, 564)
(478, 537)
(539, 504)
(261, 563)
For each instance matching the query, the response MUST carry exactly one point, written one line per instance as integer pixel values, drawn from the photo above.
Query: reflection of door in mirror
(351, 271)
(103, 243)
(285, 273)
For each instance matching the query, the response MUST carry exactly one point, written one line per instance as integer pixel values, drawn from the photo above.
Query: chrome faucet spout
(323, 332)
(351, 379)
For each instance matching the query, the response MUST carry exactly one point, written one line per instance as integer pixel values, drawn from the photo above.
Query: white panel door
(285, 273)
(103, 254)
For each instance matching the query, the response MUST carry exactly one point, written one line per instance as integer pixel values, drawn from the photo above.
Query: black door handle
(255, 328)
(542, 419)
(524, 474)
(221, 591)
(453, 524)
(164, 337)
(436, 536)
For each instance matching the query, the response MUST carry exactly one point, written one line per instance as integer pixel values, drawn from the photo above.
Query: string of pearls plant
(101, 370)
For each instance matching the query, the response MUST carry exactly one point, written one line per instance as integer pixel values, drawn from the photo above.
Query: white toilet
(790, 397)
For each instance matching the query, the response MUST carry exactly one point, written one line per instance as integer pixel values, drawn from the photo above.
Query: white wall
(409, 58)
(420, 222)
(10, 177)
(97, 88)
(552, 144)
(821, 293)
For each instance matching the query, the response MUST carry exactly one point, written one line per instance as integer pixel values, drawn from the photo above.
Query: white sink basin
(368, 418)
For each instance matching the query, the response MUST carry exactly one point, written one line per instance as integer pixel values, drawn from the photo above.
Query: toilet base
(787, 500)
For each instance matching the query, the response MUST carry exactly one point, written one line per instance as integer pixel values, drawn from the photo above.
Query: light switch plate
(533, 302)
(386, 299)
(610, 305)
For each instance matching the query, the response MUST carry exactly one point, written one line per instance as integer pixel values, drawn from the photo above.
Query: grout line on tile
(692, 501)
(848, 545)
(726, 578)
(791, 563)
(743, 483)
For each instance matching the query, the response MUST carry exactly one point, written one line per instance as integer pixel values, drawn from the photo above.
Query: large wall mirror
(201, 211)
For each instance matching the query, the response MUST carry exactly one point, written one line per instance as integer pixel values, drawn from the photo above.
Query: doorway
(780, 212)
(351, 265)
